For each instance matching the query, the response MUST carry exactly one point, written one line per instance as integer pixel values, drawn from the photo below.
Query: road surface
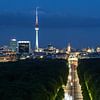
(73, 89)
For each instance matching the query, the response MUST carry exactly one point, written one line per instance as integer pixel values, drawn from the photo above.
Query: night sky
(60, 22)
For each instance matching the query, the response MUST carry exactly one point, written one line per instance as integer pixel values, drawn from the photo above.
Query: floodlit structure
(37, 32)
(98, 49)
(69, 48)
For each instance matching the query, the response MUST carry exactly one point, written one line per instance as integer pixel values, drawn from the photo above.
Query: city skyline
(62, 22)
(49, 49)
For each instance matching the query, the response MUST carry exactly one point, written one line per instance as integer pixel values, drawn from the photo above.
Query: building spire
(69, 48)
(37, 24)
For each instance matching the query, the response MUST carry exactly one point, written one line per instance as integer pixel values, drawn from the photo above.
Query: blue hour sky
(63, 7)
(61, 20)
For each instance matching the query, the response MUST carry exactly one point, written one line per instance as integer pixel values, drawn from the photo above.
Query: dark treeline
(89, 74)
(39, 79)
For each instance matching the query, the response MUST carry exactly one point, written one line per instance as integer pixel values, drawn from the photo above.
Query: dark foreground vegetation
(39, 79)
(89, 74)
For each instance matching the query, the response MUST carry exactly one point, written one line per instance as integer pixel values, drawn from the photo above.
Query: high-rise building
(37, 30)
(13, 45)
(24, 47)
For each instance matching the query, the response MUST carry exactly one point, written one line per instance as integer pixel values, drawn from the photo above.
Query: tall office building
(13, 45)
(37, 31)
(24, 47)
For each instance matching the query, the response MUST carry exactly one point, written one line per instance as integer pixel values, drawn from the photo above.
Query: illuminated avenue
(73, 88)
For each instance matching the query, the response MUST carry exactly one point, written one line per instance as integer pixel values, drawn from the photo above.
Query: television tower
(37, 31)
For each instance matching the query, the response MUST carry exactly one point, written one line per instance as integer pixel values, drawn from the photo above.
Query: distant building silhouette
(13, 45)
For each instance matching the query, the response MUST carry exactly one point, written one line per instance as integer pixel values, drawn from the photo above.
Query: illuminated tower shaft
(37, 31)
(37, 44)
